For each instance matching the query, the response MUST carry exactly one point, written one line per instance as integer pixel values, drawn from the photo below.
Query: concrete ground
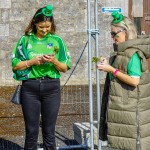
(13, 145)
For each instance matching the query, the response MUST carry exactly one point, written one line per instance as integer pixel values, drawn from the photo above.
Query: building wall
(71, 21)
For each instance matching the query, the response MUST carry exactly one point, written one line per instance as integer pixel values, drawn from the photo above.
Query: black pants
(40, 97)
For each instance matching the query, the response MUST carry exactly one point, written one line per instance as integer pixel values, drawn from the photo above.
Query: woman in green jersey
(38, 58)
(125, 101)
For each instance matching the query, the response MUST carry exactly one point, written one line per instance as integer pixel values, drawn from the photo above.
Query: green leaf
(96, 59)
(56, 50)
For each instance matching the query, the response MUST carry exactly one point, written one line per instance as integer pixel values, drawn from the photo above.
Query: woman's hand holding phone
(48, 58)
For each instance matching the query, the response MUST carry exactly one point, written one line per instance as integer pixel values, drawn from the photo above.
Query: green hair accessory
(47, 11)
(117, 17)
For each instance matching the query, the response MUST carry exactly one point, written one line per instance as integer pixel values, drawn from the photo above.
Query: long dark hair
(39, 18)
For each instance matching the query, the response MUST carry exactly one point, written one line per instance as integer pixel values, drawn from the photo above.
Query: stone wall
(71, 20)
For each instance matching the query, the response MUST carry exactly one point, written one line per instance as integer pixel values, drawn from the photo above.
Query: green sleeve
(15, 57)
(134, 66)
(15, 60)
(19, 54)
(64, 55)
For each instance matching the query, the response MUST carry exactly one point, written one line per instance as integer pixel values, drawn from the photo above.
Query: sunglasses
(113, 34)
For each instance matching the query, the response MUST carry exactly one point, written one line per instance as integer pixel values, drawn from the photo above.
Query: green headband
(47, 11)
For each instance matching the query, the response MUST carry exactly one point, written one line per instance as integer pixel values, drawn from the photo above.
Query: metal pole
(97, 74)
(90, 74)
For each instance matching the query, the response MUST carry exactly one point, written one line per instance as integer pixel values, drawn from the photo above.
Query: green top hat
(47, 11)
(117, 17)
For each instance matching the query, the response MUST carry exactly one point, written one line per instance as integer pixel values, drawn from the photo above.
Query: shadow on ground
(66, 141)
(8, 145)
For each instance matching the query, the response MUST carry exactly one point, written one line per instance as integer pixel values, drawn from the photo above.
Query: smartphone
(48, 55)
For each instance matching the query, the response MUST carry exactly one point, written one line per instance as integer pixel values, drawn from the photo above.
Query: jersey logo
(29, 46)
(49, 45)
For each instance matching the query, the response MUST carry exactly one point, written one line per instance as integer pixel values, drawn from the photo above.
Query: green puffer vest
(128, 112)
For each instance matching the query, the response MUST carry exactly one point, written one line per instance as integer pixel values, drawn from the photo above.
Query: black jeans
(40, 97)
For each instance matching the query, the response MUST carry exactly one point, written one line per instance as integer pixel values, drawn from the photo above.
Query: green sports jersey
(38, 47)
(134, 67)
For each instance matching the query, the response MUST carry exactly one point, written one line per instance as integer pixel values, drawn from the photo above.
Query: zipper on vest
(137, 129)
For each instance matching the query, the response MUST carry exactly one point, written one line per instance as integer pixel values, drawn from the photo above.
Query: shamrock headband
(47, 11)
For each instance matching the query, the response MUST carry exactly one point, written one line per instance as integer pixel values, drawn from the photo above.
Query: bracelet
(26, 62)
(115, 72)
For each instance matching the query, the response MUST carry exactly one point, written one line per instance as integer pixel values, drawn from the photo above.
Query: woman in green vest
(125, 120)
(38, 58)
